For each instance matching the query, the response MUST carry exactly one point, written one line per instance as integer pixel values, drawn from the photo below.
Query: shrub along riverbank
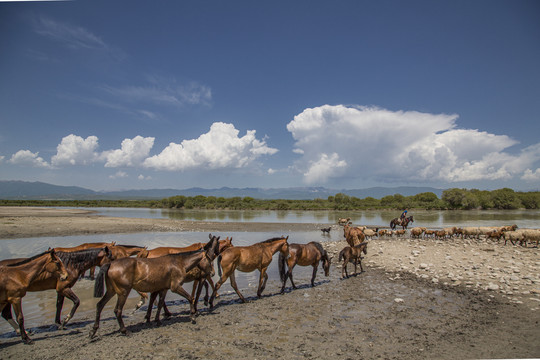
(462, 199)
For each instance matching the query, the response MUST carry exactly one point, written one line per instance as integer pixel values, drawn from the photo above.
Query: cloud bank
(371, 143)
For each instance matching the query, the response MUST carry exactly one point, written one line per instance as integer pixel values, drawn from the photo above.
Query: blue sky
(114, 95)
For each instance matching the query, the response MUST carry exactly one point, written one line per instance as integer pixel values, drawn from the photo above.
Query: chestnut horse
(196, 275)
(353, 235)
(303, 255)
(16, 278)
(76, 263)
(403, 223)
(247, 259)
(148, 275)
(353, 254)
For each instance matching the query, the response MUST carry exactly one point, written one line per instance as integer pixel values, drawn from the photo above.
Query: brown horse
(196, 275)
(353, 235)
(401, 222)
(352, 253)
(148, 275)
(303, 255)
(247, 259)
(87, 246)
(15, 279)
(76, 263)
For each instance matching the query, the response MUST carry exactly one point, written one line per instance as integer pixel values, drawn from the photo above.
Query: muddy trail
(366, 316)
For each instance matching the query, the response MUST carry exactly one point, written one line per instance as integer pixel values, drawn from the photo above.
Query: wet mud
(364, 316)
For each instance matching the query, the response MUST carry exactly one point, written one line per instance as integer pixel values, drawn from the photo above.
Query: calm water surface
(427, 218)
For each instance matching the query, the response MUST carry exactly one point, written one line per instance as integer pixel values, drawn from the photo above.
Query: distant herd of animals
(156, 271)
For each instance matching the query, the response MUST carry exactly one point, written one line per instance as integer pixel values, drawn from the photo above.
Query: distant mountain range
(23, 190)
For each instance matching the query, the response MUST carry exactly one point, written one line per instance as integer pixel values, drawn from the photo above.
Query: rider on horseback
(402, 217)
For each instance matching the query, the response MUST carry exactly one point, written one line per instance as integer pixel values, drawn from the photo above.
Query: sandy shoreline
(416, 299)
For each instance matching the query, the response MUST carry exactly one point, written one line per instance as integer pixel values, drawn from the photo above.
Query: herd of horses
(155, 271)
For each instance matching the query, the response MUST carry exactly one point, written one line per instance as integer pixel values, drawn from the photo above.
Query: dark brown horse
(247, 259)
(76, 264)
(196, 275)
(401, 222)
(16, 278)
(352, 254)
(303, 255)
(148, 275)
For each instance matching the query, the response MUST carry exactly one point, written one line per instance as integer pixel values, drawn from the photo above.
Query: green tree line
(463, 199)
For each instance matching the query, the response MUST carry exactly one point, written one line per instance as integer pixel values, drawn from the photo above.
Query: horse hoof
(29, 342)
(126, 332)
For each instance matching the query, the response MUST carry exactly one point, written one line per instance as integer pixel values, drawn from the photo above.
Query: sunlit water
(39, 307)
(427, 218)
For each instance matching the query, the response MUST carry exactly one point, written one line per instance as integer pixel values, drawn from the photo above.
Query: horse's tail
(99, 285)
(392, 225)
(341, 254)
(219, 265)
(281, 265)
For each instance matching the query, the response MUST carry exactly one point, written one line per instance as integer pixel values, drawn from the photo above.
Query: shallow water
(39, 307)
(426, 218)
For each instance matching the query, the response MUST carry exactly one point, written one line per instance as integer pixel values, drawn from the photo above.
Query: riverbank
(417, 299)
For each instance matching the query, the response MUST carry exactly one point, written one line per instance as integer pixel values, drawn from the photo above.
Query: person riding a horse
(403, 216)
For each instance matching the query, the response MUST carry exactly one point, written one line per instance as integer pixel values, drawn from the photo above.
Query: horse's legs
(355, 264)
(182, 292)
(315, 268)
(59, 305)
(17, 307)
(120, 302)
(99, 308)
(235, 287)
(344, 274)
(6, 314)
(161, 303)
(141, 301)
(226, 273)
(92, 272)
(67, 292)
(150, 304)
(361, 268)
(262, 281)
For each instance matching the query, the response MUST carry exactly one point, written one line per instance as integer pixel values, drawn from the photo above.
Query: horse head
(55, 266)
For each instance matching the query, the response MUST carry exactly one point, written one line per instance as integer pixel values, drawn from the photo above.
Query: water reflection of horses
(149, 275)
(247, 259)
(401, 222)
(352, 254)
(303, 255)
(16, 278)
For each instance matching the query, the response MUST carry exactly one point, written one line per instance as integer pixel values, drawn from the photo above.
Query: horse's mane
(318, 246)
(188, 253)
(272, 240)
(78, 259)
(25, 261)
(130, 246)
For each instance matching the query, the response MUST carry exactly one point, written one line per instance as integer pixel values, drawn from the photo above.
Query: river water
(39, 307)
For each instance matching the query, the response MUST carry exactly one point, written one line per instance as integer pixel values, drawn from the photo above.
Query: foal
(352, 254)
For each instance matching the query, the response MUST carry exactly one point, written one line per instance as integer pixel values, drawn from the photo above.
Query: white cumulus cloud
(379, 144)
(28, 158)
(326, 167)
(219, 148)
(132, 152)
(75, 150)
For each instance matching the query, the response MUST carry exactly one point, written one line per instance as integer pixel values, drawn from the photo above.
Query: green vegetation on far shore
(455, 198)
